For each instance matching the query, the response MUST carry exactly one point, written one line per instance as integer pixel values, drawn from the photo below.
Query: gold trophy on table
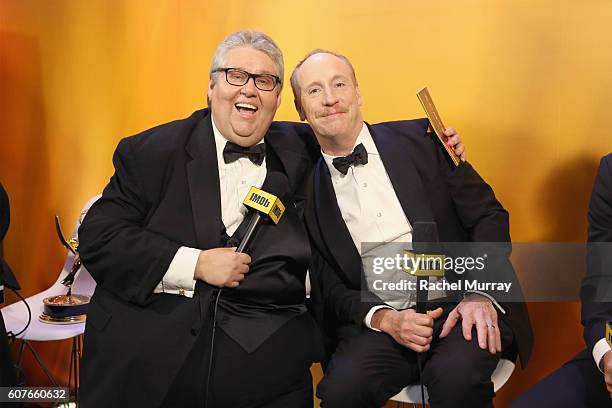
(68, 308)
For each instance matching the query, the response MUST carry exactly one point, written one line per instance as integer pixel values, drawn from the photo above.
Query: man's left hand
(476, 310)
(453, 140)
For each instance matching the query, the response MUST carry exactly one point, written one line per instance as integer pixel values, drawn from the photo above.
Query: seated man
(586, 381)
(372, 184)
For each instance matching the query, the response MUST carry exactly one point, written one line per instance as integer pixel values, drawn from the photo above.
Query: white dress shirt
(369, 206)
(235, 180)
(373, 214)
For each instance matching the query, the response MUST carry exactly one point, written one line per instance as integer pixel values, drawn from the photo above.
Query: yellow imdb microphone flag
(265, 203)
(609, 332)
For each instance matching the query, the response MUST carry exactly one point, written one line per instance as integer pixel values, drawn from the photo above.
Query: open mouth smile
(246, 109)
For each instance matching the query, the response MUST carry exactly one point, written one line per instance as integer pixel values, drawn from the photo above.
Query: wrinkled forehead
(323, 67)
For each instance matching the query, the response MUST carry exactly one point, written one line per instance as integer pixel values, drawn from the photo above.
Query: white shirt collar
(364, 137)
(220, 141)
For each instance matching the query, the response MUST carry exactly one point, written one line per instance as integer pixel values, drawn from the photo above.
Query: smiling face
(329, 99)
(244, 113)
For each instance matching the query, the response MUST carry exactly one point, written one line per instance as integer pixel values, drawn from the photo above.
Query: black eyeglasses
(238, 77)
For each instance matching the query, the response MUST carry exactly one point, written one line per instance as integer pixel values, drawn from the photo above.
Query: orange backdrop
(527, 83)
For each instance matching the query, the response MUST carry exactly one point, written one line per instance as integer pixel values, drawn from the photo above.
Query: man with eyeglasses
(160, 244)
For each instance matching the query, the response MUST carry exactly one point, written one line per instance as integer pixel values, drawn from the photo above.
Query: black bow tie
(256, 153)
(359, 156)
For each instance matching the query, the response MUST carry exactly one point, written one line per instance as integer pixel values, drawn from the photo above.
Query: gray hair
(254, 39)
(295, 86)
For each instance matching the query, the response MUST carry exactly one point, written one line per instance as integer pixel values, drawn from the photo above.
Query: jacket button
(193, 331)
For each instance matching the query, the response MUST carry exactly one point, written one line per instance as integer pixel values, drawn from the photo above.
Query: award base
(64, 309)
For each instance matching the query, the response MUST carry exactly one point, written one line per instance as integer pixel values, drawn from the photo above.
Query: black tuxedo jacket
(7, 374)
(429, 189)
(596, 293)
(165, 194)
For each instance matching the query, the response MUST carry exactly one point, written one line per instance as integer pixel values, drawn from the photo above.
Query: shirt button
(243, 182)
(182, 292)
(365, 184)
(379, 214)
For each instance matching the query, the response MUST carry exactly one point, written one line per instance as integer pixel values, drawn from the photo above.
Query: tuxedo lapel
(289, 159)
(334, 231)
(407, 184)
(203, 180)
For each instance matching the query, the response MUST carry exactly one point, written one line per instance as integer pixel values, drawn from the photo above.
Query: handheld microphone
(264, 205)
(424, 237)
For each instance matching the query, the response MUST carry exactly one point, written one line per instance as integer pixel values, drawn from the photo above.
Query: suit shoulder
(294, 136)
(414, 128)
(606, 161)
(162, 139)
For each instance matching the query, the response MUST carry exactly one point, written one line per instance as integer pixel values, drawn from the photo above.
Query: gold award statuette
(436, 121)
(68, 308)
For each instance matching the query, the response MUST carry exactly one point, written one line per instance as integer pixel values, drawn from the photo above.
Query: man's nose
(249, 89)
(329, 97)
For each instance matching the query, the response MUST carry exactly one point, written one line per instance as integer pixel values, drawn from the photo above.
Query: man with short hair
(178, 318)
(373, 183)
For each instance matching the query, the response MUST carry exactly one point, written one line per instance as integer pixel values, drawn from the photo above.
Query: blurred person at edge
(586, 380)
(7, 280)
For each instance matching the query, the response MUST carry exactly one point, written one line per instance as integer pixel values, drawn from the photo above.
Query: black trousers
(368, 369)
(578, 384)
(276, 375)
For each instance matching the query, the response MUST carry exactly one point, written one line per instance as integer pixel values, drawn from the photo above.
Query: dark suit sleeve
(596, 292)
(333, 297)
(487, 224)
(119, 252)
(481, 214)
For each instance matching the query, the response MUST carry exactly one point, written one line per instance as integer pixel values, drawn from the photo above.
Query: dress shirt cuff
(368, 318)
(178, 279)
(491, 298)
(600, 348)
(307, 284)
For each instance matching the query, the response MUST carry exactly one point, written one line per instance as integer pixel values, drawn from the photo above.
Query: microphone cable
(212, 347)
(420, 366)
(12, 336)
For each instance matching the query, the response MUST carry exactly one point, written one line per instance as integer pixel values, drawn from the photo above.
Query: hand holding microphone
(223, 267)
(408, 327)
(226, 267)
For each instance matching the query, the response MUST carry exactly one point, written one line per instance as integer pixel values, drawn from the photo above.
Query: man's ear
(298, 108)
(278, 100)
(358, 96)
(211, 85)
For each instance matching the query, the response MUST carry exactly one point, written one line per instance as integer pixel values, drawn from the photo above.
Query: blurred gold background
(526, 83)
